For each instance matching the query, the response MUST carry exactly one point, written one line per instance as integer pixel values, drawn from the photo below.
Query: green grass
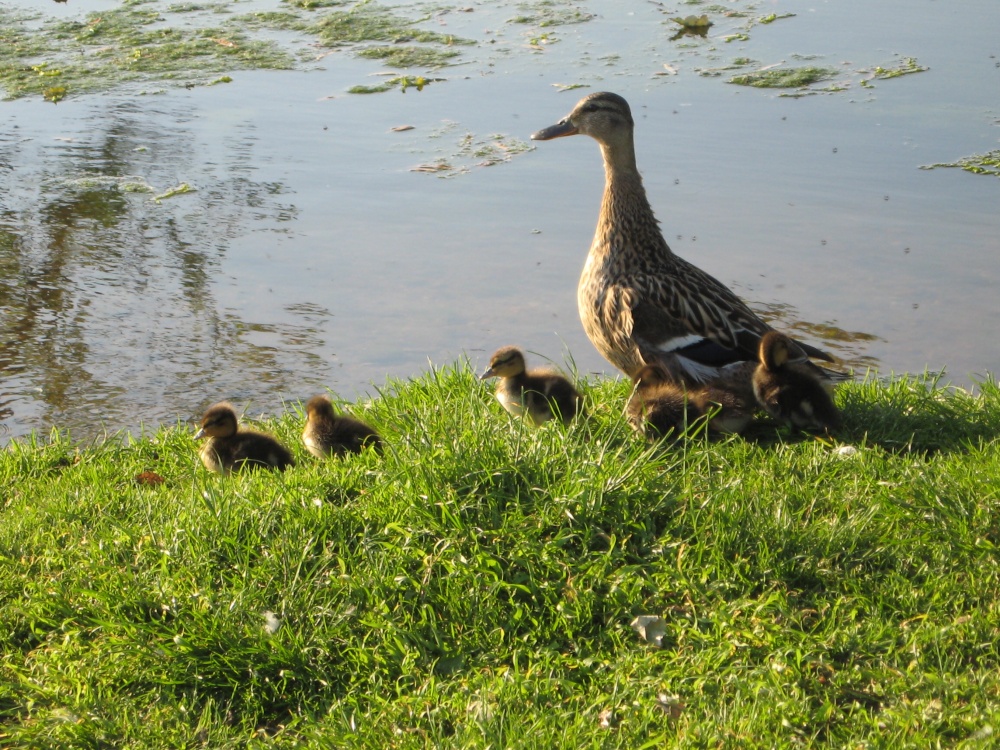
(474, 586)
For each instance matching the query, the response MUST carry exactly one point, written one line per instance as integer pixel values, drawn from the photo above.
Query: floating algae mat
(784, 78)
(988, 163)
(144, 43)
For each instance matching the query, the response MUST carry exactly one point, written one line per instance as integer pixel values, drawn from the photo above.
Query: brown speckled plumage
(638, 301)
(659, 404)
(329, 434)
(789, 391)
(537, 395)
(229, 448)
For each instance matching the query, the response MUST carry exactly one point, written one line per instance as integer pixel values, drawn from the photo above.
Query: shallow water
(311, 256)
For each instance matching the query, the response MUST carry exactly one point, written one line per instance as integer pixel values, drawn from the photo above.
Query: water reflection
(107, 298)
(848, 347)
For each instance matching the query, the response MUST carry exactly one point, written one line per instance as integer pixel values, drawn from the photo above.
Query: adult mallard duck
(659, 404)
(329, 434)
(789, 391)
(538, 395)
(231, 449)
(640, 303)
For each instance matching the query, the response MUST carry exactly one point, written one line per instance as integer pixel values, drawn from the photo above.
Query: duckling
(659, 403)
(232, 449)
(538, 395)
(639, 302)
(789, 391)
(329, 434)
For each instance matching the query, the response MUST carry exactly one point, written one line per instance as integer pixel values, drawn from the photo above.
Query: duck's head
(774, 350)
(319, 407)
(506, 362)
(603, 116)
(219, 421)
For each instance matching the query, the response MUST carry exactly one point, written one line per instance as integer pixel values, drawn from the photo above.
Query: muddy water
(311, 255)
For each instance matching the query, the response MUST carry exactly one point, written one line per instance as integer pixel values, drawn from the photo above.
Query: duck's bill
(487, 375)
(555, 131)
(199, 434)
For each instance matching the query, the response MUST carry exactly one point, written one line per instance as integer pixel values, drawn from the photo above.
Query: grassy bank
(475, 586)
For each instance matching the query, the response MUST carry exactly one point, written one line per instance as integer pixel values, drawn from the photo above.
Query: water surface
(310, 255)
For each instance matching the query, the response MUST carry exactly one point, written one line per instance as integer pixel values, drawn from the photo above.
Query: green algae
(736, 64)
(379, 89)
(121, 184)
(313, 4)
(988, 163)
(410, 56)
(105, 50)
(54, 94)
(908, 66)
(153, 45)
(370, 23)
(171, 192)
(548, 13)
(401, 82)
(784, 78)
(772, 17)
(195, 44)
(693, 22)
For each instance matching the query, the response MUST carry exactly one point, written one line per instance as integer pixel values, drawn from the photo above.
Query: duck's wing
(680, 307)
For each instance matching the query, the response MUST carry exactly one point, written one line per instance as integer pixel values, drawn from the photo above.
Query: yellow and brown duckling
(229, 448)
(660, 404)
(639, 302)
(790, 391)
(537, 395)
(329, 434)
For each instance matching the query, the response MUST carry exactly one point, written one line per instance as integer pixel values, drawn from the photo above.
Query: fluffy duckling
(789, 391)
(538, 395)
(639, 302)
(329, 434)
(660, 404)
(231, 449)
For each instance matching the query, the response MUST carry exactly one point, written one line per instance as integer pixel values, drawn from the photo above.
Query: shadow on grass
(920, 415)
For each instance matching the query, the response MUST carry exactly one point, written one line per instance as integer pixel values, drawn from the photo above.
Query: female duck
(231, 449)
(639, 302)
(329, 434)
(790, 391)
(538, 395)
(659, 404)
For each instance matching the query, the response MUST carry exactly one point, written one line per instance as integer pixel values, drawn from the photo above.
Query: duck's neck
(627, 219)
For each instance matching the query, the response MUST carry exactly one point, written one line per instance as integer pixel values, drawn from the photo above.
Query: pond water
(314, 253)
